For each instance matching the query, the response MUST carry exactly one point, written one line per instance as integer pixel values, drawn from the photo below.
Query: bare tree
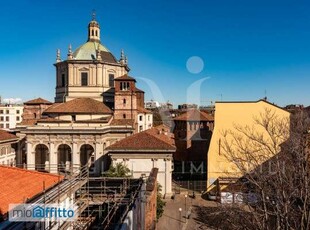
(272, 156)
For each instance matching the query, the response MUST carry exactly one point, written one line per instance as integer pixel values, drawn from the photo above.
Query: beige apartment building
(235, 124)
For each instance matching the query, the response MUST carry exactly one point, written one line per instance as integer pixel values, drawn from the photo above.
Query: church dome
(88, 51)
(93, 49)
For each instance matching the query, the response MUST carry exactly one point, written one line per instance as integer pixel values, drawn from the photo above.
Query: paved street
(173, 219)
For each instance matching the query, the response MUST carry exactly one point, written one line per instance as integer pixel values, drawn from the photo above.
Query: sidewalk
(173, 219)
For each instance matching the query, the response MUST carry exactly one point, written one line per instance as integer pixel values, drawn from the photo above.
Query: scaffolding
(102, 202)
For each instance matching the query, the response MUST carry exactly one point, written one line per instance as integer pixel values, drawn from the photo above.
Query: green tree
(160, 204)
(118, 170)
(157, 119)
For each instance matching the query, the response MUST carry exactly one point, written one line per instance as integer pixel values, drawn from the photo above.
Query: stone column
(53, 158)
(154, 162)
(75, 76)
(99, 75)
(70, 75)
(168, 177)
(99, 164)
(91, 75)
(30, 156)
(75, 156)
(18, 153)
(105, 76)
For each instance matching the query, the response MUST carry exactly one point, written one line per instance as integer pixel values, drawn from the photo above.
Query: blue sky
(248, 47)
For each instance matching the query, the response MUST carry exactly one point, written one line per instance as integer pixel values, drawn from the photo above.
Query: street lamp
(180, 211)
(185, 202)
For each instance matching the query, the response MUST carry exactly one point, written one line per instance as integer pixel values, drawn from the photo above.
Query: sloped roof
(28, 122)
(38, 101)
(5, 136)
(125, 77)
(151, 139)
(139, 90)
(143, 110)
(122, 122)
(99, 120)
(52, 120)
(17, 185)
(194, 115)
(79, 106)
(163, 133)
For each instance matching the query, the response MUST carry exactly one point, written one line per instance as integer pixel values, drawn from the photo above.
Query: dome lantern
(93, 30)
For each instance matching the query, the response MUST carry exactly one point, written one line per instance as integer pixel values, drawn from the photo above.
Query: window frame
(84, 75)
(111, 80)
(63, 80)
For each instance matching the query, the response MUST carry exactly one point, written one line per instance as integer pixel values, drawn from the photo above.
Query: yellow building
(236, 125)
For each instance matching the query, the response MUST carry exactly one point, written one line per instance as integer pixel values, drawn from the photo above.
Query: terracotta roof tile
(37, 101)
(99, 120)
(194, 115)
(80, 106)
(139, 90)
(5, 136)
(122, 122)
(17, 185)
(143, 110)
(163, 132)
(151, 139)
(52, 120)
(28, 122)
(108, 57)
(125, 77)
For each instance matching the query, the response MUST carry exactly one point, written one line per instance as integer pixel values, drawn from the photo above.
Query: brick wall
(151, 198)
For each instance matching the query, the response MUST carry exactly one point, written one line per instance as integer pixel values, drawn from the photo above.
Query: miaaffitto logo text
(41, 212)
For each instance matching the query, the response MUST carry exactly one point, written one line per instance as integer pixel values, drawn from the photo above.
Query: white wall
(142, 165)
(11, 113)
(7, 155)
(146, 122)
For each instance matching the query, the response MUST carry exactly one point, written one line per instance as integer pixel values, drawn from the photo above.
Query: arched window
(124, 116)
(124, 101)
(96, 32)
(92, 32)
(124, 86)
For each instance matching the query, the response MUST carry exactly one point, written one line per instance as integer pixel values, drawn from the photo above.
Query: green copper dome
(87, 51)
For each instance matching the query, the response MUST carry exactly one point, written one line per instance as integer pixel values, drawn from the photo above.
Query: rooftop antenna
(221, 95)
(94, 15)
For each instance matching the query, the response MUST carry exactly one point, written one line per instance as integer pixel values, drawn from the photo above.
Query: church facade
(96, 104)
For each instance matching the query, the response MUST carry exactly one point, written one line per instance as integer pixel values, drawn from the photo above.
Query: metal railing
(69, 184)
